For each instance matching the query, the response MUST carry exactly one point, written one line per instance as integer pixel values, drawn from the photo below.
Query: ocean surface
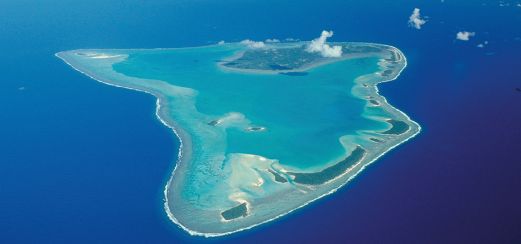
(82, 162)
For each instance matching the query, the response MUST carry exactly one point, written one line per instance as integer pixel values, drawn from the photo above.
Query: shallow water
(242, 128)
(304, 116)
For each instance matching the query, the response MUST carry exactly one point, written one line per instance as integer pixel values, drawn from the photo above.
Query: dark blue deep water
(81, 162)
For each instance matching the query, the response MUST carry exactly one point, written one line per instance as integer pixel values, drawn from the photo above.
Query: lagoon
(263, 131)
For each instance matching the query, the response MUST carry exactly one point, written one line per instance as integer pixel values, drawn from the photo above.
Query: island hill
(264, 130)
(294, 59)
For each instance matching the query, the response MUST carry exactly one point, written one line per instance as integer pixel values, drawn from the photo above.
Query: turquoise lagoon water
(304, 115)
(259, 143)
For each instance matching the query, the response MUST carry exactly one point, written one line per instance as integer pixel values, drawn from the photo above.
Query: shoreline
(185, 141)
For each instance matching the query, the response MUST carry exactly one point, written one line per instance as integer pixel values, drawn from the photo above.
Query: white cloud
(272, 40)
(482, 45)
(319, 46)
(415, 20)
(220, 42)
(464, 35)
(253, 44)
(289, 39)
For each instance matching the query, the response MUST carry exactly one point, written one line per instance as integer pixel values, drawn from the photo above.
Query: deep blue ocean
(82, 162)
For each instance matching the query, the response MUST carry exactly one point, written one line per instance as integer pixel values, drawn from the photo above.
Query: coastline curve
(162, 114)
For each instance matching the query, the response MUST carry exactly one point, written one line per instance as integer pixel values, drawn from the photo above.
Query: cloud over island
(319, 45)
(253, 44)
